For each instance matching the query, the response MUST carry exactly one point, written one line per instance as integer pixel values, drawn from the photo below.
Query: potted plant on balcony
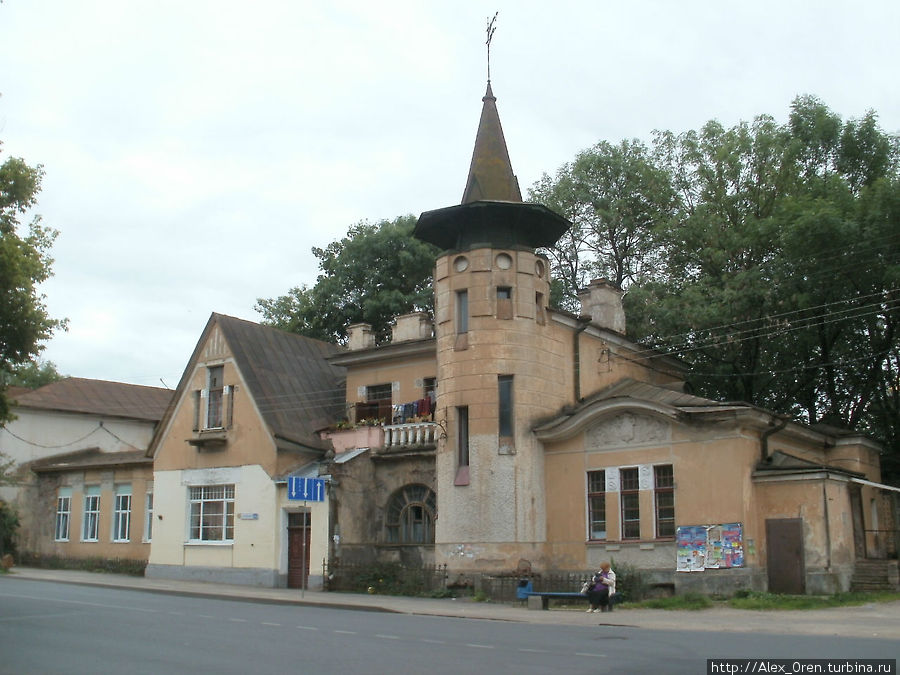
(346, 436)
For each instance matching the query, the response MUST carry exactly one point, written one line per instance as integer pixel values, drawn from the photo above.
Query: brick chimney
(602, 301)
(414, 326)
(360, 336)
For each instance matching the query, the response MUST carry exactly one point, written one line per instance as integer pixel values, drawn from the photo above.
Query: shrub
(9, 525)
(630, 581)
(109, 565)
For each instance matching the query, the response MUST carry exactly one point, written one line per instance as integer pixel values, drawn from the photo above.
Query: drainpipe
(583, 323)
(827, 525)
(764, 439)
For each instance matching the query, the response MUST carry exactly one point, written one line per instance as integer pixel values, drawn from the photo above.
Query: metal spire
(491, 27)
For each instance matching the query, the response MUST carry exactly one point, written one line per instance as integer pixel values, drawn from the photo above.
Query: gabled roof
(294, 387)
(91, 458)
(99, 397)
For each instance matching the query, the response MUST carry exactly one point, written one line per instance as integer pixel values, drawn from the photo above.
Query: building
(242, 421)
(554, 442)
(83, 485)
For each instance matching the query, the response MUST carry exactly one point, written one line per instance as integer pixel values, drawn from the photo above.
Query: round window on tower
(539, 268)
(504, 261)
(461, 264)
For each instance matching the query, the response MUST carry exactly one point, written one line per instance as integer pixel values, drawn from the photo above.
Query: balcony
(386, 439)
(411, 436)
(213, 410)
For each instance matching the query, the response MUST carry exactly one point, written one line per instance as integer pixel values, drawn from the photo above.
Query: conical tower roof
(492, 212)
(490, 173)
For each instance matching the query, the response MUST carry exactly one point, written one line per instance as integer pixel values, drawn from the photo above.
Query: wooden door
(298, 550)
(784, 556)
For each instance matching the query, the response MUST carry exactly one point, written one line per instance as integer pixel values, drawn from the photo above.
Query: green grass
(758, 600)
(691, 601)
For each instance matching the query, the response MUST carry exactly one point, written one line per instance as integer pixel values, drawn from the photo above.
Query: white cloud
(195, 152)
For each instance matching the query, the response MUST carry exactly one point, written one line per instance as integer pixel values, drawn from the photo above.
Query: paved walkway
(877, 620)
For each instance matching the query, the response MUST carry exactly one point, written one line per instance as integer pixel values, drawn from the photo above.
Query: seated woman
(603, 588)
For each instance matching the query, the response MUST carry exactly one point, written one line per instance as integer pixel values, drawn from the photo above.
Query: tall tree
(614, 195)
(776, 273)
(25, 262)
(378, 271)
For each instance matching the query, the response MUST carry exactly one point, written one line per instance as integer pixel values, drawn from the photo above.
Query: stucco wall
(40, 502)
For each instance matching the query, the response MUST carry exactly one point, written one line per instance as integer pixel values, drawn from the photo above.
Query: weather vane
(490, 33)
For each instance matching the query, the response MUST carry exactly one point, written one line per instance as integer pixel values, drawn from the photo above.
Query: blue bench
(541, 599)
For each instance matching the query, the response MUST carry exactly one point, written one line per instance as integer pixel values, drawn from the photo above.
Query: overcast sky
(195, 151)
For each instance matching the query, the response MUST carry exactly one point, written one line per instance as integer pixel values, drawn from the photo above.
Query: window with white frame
(122, 513)
(214, 405)
(90, 530)
(212, 513)
(148, 517)
(63, 514)
(596, 494)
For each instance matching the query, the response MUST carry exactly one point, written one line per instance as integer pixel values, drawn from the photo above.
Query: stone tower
(499, 364)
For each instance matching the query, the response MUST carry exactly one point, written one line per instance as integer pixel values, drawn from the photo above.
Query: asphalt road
(61, 628)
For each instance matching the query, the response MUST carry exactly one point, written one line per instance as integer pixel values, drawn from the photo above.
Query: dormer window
(213, 409)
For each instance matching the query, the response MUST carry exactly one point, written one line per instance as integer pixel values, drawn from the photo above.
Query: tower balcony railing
(410, 435)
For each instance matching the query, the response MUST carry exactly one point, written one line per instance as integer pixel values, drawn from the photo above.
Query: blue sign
(306, 489)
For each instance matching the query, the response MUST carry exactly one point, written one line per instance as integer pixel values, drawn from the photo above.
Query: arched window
(410, 516)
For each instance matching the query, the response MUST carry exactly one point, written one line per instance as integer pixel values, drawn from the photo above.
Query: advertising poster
(704, 547)
(690, 544)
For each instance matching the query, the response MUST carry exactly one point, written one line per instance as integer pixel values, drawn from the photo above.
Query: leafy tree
(24, 263)
(376, 272)
(614, 195)
(775, 270)
(33, 374)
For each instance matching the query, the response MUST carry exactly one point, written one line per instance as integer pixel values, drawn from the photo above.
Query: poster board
(704, 547)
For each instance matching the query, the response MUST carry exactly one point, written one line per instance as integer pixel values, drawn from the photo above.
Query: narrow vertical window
(91, 527)
(505, 395)
(462, 446)
(122, 513)
(148, 518)
(462, 435)
(216, 388)
(596, 494)
(504, 302)
(631, 509)
(539, 312)
(664, 500)
(63, 514)
(462, 312)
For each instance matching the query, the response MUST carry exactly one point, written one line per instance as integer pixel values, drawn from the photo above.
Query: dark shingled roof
(99, 397)
(294, 387)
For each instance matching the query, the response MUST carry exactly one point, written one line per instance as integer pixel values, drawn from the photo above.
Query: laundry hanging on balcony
(407, 411)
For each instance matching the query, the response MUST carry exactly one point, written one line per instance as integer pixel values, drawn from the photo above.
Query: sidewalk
(877, 620)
